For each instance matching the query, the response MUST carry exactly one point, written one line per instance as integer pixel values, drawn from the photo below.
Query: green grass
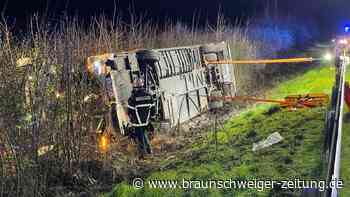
(345, 154)
(317, 80)
(297, 156)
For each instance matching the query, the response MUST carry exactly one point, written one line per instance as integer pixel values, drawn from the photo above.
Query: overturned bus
(169, 86)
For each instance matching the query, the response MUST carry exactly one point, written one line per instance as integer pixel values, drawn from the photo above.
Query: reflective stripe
(138, 116)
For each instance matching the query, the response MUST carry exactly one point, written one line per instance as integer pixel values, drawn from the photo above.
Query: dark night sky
(155, 8)
(329, 14)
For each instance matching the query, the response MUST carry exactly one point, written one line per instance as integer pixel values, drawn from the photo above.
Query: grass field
(315, 80)
(297, 156)
(345, 166)
(345, 154)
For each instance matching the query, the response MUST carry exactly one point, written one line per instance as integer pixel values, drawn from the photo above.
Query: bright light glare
(328, 57)
(97, 68)
(343, 41)
(58, 95)
(104, 143)
(347, 28)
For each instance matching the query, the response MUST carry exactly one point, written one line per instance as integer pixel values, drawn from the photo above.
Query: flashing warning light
(347, 28)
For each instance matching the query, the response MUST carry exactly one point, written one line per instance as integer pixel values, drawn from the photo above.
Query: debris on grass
(269, 141)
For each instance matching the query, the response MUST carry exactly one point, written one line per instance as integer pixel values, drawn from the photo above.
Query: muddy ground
(99, 172)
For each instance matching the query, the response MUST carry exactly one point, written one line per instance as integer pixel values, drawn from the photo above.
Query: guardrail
(334, 122)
